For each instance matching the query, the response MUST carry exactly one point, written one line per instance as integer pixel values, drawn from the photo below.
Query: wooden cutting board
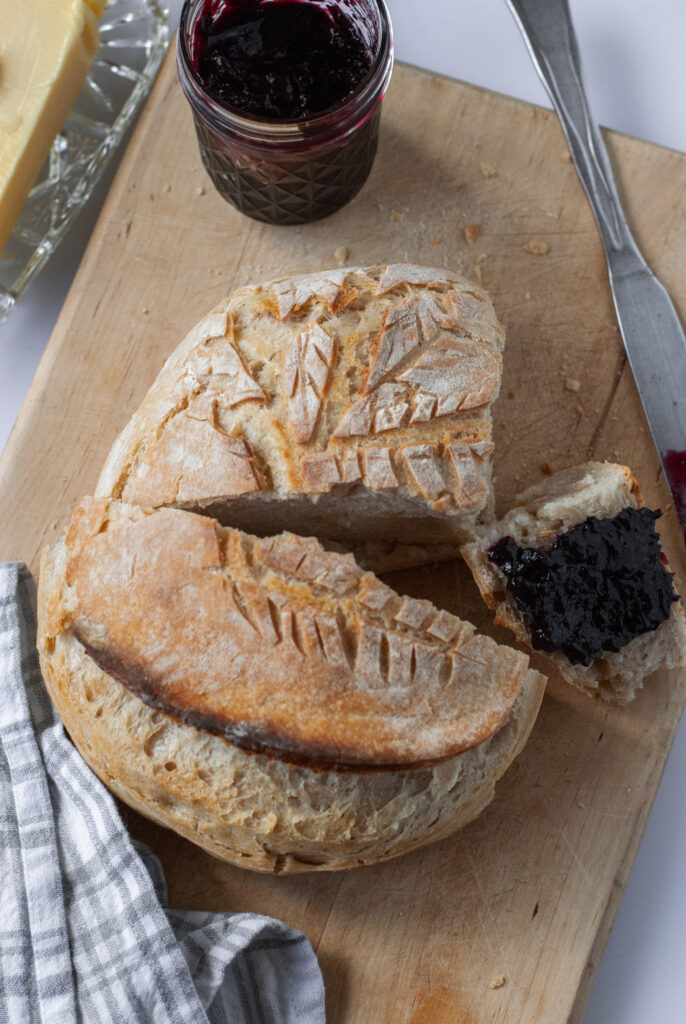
(527, 893)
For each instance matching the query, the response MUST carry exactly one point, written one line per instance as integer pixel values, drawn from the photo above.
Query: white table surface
(635, 69)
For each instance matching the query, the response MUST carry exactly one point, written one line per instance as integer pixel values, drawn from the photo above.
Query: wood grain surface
(527, 894)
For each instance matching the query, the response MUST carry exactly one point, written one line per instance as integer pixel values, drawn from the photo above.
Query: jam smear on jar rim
(281, 60)
(600, 585)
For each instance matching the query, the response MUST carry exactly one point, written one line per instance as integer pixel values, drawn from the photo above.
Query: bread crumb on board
(571, 384)
(471, 232)
(498, 982)
(488, 170)
(547, 468)
(341, 254)
(537, 247)
(200, 190)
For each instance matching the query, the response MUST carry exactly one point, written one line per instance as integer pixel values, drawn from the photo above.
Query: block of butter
(46, 50)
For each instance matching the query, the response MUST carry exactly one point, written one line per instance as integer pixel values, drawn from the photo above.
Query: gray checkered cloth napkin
(85, 934)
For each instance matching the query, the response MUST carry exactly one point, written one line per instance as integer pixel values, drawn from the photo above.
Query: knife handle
(547, 28)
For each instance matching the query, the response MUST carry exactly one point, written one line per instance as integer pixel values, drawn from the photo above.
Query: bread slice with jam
(576, 571)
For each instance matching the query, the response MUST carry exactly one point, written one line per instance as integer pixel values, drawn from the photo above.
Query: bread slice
(541, 514)
(268, 699)
(352, 405)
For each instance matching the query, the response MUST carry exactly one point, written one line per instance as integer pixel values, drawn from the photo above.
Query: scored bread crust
(352, 404)
(538, 516)
(251, 809)
(281, 647)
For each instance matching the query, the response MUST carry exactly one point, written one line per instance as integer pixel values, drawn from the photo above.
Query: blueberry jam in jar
(600, 585)
(286, 97)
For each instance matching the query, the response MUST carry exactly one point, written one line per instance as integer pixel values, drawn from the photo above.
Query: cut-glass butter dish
(134, 35)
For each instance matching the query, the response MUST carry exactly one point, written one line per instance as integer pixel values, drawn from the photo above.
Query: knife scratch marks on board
(609, 814)
(621, 368)
(315, 945)
(488, 916)
(439, 1006)
(563, 836)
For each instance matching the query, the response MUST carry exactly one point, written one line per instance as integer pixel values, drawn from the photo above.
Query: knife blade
(652, 333)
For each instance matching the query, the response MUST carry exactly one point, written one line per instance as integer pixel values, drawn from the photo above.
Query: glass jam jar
(290, 170)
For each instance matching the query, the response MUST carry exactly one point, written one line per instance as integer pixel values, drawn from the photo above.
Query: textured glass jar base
(289, 188)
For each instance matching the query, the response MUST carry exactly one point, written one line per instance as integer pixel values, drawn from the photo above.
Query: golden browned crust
(279, 646)
(368, 386)
(249, 809)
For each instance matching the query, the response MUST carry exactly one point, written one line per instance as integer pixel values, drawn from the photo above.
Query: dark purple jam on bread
(600, 585)
(281, 59)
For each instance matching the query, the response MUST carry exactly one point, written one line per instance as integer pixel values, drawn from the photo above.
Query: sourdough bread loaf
(352, 404)
(268, 699)
(540, 515)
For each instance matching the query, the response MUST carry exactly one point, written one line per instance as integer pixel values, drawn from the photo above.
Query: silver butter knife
(653, 336)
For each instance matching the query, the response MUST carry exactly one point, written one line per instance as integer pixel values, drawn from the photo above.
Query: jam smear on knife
(675, 468)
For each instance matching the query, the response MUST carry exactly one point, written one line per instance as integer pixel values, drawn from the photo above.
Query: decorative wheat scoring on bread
(360, 723)
(353, 404)
(282, 647)
(307, 369)
(371, 380)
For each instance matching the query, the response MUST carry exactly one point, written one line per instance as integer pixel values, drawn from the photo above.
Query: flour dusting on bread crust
(295, 661)
(316, 394)
(175, 649)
